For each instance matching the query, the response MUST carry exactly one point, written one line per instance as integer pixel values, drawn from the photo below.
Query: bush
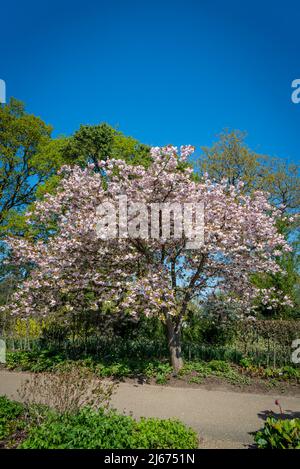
(164, 434)
(70, 388)
(88, 429)
(219, 365)
(9, 412)
(279, 434)
(35, 361)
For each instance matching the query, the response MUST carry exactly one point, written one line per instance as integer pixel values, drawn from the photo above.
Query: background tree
(30, 160)
(230, 158)
(21, 171)
(93, 143)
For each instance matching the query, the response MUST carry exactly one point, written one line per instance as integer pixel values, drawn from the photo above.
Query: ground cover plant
(155, 370)
(89, 429)
(85, 428)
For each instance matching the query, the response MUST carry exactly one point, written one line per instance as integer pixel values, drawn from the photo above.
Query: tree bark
(174, 342)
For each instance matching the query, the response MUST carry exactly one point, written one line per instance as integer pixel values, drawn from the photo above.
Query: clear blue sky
(162, 71)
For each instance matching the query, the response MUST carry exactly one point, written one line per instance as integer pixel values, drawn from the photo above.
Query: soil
(211, 383)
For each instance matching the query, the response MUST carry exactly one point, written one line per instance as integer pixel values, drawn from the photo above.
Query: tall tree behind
(92, 143)
(230, 158)
(29, 161)
(21, 134)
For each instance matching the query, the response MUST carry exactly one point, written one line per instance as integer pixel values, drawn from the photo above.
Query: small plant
(195, 379)
(280, 408)
(246, 363)
(219, 365)
(35, 361)
(88, 429)
(161, 378)
(279, 434)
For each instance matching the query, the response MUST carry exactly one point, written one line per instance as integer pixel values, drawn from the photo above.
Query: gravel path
(224, 419)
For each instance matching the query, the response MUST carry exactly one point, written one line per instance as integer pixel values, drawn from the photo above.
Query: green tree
(92, 143)
(230, 158)
(281, 179)
(29, 162)
(21, 171)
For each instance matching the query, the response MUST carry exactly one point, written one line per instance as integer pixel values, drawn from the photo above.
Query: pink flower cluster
(74, 269)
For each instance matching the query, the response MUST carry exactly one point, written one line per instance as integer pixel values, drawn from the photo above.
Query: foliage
(86, 428)
(30, 328)
(31, 160)
(46, 361)
(207, 328)
(195, 371)
(158, 370)
(9, 412)
(230, 158)
(127, 350)
(283, 373)
(35, 361)
(279, 434)
(281, 284)
(93, 143)
(21, 171)
(89, 429)
(281, 331)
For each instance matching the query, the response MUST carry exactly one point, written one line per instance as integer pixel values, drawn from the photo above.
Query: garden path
(224, 419)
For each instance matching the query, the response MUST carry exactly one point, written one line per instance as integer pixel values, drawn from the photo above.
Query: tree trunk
(174, 342)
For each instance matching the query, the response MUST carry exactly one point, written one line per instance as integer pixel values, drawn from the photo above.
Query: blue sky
(162, 71)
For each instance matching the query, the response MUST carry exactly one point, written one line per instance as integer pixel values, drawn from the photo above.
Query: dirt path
(223, 419)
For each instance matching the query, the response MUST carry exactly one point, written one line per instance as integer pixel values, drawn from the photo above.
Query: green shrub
(9, 412)
(88, 429)
(164, 434)
(246, 362)
(219, 365)
(279, 434)
(35, 361)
